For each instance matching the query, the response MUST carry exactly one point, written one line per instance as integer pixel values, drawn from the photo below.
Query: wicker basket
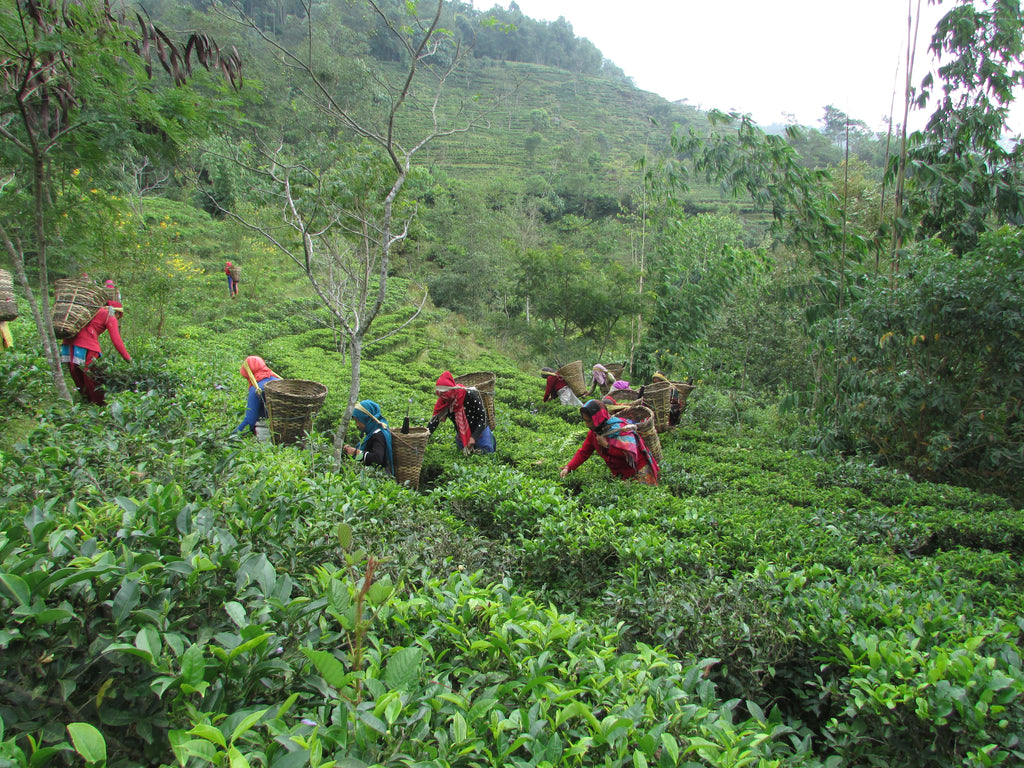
(407, 451)
(291, 404)
(482, 382)
(624, 395)
(573, 375)
(643, 417)
(657, 397)
(684, 391)
(8, 306)
(235, 273)
(75, 303)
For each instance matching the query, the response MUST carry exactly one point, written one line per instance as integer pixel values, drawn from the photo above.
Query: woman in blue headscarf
(375, 447)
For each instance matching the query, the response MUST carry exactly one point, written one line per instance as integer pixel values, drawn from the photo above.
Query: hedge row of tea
(175, 595)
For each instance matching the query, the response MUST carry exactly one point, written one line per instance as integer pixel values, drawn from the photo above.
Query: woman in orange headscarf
(466, 409)
(256, 373)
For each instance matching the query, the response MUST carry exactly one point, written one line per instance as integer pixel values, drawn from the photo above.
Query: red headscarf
(255, 370)
(448, 393)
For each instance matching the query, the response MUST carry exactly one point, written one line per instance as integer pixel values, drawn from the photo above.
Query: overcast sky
(763, 57)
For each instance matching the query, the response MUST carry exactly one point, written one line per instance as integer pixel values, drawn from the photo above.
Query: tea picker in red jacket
(80, 352)
(617, 442)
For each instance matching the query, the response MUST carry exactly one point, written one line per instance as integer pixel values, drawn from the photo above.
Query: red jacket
(555, 384)
(613, 457)
(89, 337)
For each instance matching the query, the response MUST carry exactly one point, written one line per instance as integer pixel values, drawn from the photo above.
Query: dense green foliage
(198, 598)
(176, 594)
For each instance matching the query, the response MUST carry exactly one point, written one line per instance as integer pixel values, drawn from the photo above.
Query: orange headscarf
(255, 369)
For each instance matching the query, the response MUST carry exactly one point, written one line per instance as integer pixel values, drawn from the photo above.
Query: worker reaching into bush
(375, 446)
(466, 409)
(81, 351)
(558, 387)
(616, 441)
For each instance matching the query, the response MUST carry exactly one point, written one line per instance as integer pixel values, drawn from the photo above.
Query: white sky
(762, 57)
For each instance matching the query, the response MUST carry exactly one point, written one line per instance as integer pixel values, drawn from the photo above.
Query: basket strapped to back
(8, 306)
(643, 418)
(573, 375)
(291, 404)
(483, 383)
(657, 397)
(75, 303)
(408, 450)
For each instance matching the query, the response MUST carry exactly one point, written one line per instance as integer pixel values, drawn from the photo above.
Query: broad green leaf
(208, 732)
(88, 741)
(403, 668)
(246, 724)
(238, 760)
(16, 587)
(329, 667)
(126, 600)
(237, 613)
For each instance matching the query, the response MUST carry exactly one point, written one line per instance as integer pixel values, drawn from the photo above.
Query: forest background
(399, 185)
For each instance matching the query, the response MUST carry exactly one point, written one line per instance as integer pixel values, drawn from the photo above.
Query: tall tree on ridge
(342, 222)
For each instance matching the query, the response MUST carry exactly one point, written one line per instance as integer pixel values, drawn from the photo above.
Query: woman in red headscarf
(466, 409)
(80, 351)
(617, 442)
(256, 373)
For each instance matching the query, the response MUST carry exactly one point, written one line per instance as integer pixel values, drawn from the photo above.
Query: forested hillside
(827, 571)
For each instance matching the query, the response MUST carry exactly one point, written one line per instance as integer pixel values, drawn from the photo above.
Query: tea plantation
(175, 594)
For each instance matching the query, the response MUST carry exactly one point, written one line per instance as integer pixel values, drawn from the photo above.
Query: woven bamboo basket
(573, 375)
(291, 404)
(236, 273)
(657, 397)
(643, 417)
(482, 382)
(408, 451)
(8, 306)
(623, 396)
(684, 390)
(74, 305)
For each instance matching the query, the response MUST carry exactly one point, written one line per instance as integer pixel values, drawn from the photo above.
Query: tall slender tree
(343, 220)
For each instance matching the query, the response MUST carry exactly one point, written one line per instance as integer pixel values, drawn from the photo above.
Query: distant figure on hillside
(617, 442)
(466, 409)
(256, 373)
(375, 447)
(80, 352)
(232, 274)
(111, 290)
(558, 387)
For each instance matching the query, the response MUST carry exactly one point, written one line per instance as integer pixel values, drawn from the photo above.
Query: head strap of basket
(573, 375)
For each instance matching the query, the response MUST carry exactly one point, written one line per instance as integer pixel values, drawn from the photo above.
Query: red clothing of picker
(616, 441)
(84, 348)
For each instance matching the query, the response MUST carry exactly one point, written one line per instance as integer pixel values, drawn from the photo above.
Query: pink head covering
(620, 384)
